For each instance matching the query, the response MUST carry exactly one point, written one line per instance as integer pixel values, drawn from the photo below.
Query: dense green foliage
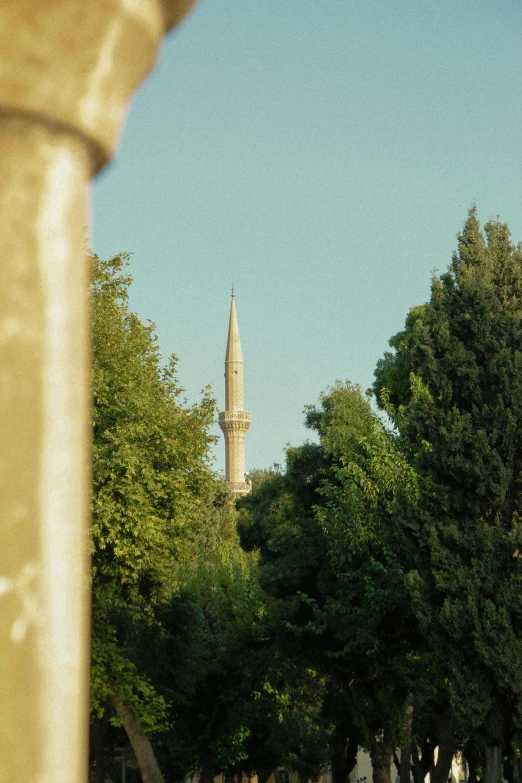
(453, 386)
(164, 540)
(395, 554)
(376, 596)
(332, 556)
(182, 633)
(150, 481)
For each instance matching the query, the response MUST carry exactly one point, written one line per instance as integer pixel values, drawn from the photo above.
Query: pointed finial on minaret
(232, 290)
(234, 343)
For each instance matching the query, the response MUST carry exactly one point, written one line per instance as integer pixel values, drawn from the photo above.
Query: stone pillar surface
(68, 69)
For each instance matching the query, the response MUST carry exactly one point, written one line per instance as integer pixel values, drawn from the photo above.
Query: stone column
(68, 69)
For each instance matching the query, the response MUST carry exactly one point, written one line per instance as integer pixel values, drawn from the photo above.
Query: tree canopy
(330, 554)
(153, 495)
(182, 655)
(367, 593)
(453, 388)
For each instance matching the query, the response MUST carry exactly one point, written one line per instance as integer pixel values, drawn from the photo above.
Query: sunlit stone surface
(68, 69)
(234, 421)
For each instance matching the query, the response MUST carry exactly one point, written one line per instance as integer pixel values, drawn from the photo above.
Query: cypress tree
(453, 387)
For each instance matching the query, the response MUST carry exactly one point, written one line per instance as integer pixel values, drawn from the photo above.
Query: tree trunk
(150, 771)
(263, 774)
(405, 763)
(338, 769)
(507, 771)
(342, 762)
(418, 770)
(381, 754)
(472, 764)
(100, 752)
(447, 745)
(442, 769)
(492, 771)
(344, 757)
(351, 756)
(206, 773)
(516, 763)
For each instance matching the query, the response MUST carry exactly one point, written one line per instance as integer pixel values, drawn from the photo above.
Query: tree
(368, 607)
(201, 663)
(326, 532)
(182, 631)
(151, 480)
(453, 387)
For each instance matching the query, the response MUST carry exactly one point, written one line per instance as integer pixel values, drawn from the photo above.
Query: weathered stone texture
(68, 69)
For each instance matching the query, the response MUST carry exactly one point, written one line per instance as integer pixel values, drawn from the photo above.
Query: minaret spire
(234, 421)
(234, 353)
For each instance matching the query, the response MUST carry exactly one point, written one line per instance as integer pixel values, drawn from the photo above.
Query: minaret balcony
(240, 487)
(234, 420)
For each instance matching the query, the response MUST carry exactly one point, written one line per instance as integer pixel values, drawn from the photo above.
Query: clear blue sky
(321, 155)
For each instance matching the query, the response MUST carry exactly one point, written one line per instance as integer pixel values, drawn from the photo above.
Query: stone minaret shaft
(234, 421)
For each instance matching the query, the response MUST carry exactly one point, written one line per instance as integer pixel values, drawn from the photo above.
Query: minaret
(234, 421)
